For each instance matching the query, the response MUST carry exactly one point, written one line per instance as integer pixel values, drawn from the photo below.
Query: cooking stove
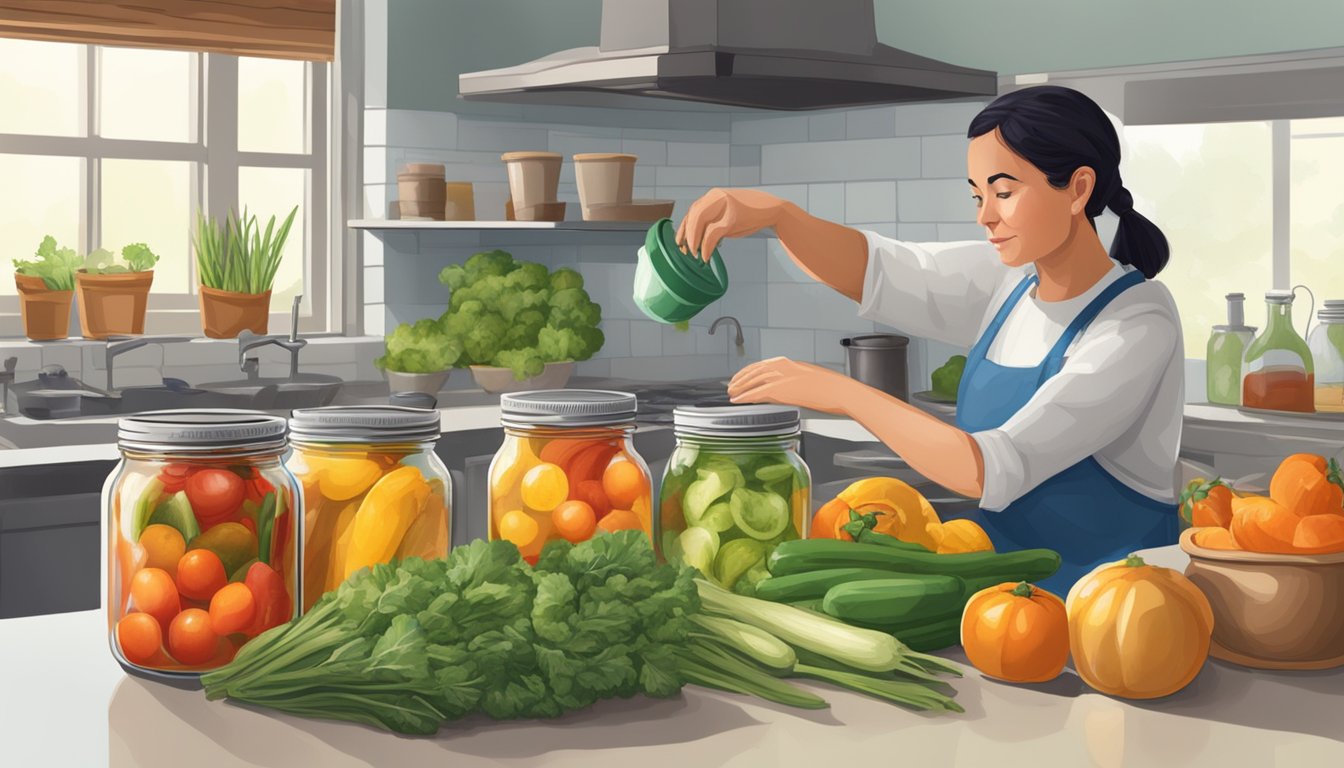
(657, 401)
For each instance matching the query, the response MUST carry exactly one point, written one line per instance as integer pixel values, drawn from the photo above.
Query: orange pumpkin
(1016, 632)
(1307, 485)
(1261, 524)
(829, 520)
(1319, 535)
(1214, 509)
(1138, 631)
(960, 536)
(1214, 537)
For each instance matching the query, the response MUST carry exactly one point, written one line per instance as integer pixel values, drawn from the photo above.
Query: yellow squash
(961, 536)
(427, 536)
(384, 516)
(1138, 631)
(341, 535)
(902, 511)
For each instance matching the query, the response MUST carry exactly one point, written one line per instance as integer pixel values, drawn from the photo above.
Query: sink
(306, 390)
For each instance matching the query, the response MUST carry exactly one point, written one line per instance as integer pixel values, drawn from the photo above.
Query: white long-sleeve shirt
(1118, 397)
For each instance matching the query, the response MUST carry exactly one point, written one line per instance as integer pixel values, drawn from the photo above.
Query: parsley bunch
(411, 645)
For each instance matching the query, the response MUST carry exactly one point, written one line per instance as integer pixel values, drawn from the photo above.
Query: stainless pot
(880, 361)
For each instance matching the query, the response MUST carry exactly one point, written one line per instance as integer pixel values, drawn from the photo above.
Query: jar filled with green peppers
(734, 488)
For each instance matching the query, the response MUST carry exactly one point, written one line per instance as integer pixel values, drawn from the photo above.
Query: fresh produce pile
(363, 508)
(946, 378)
(899, 511)
(1303, 513)
(204, 558)
(725, 511)
(548, 488)
(501, 312)
(411, 645)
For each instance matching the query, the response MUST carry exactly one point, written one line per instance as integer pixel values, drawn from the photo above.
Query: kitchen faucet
(741, 343)
(248, 340)
(116, 345)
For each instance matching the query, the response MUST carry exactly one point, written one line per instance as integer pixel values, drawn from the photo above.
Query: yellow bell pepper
(960, 536)
(384, 516)
(341, 477)
(427, 536)
(341, 537)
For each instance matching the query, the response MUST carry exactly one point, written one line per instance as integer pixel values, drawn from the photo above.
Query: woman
(1069, 412)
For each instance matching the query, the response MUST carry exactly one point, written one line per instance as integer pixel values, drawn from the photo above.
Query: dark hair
(1059, 130)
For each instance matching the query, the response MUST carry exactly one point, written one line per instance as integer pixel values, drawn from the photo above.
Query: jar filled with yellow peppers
(373, 490)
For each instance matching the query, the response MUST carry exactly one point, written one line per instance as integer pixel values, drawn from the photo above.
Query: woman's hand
(788, 382)
(724, 213)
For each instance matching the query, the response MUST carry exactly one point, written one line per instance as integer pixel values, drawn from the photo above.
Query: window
(102, 146)
(1217, 189)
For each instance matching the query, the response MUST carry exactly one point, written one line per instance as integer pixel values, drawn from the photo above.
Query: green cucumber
(804, 555)
(931, 635)
(900, 600)
(814, 584)
(265, 526)
(869, 536)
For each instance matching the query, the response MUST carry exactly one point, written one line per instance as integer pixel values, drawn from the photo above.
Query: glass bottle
(1327, 349)
(567, 469)
(201, 535)
(376, 462)
(734, 488)
(1227, 347)
(1279, 374)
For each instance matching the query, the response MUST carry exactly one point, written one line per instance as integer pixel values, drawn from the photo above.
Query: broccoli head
(529, 276)
(571, 308)
(564, 278)
(514, 303)
(524, 328)
(489, 290)
(525, 363)
(947, 379)
(454, 276)
(557, 344)
(494, 263)
(424, 347)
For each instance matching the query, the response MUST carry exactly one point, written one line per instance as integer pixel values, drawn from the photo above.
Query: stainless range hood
(764, 54)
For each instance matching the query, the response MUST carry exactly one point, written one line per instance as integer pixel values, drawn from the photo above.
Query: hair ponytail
(1059, 130)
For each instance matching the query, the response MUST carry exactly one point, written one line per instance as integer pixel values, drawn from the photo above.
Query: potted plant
(46, 287)
(419, 357)
(520, 326)
(237, 264)
(113, 295)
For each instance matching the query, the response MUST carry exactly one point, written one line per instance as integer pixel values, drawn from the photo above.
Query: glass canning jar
(373, 490)
(567, 468)
(734, 488)
(1327, 351)
(201, 539)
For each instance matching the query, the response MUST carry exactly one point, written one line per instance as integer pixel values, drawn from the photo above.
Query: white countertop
(65, 702)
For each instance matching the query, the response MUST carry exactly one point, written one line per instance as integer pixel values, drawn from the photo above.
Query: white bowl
(500, 380)
(428, 383)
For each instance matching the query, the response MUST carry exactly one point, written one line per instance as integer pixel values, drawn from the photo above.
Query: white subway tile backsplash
(936, 118)
(794, 193)
(687, 153)
(944, 157)
(374, 284)
(827, 201)
(812, 306)
(676, 134)
(617, 338)
(375, 319)
(744, 175)
(827, 126)
(748, 302)
(870, 201)
(917, 232)
(678, 342)
(675, 368)
(793, 344)
(421, 128)
(570, 144)
(375, 127)
(692, 176)
(747, 260)
(597, 368)
(375, 166)
(829, 350)
(960, 231)
(781, 267)
(870, 123)
(936, 200)
(769, 130)
(744, 155)
(857, 160)
(648, 152)
(500, 137)
(373, 249)
(612, 287)
(375, 204)
(411, 313)
(646, 338)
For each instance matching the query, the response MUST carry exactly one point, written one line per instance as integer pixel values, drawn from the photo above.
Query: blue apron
(1083, 513)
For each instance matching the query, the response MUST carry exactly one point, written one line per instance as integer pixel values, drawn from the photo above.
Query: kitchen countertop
(65, 702)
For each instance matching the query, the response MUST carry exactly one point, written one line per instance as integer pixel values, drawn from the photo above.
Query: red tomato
(174, 477)
(273, 605)
(140, 637)
(153, 592)
(191, 639)
(574, 520)
(200, 574)
(590, 492)
(257, 489)
(215, 494)
(590, 463)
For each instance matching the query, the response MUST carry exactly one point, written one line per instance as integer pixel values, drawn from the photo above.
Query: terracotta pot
(111, 305)
(498, 380)
(46, 313)
(1271, 611)
(534, 178)
(604, 179)
(224, 314)
(461, 204)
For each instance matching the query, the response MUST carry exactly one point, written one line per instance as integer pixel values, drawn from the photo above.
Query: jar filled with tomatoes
(567, 469)
(201, 527)
(373, 490)
(735, 487)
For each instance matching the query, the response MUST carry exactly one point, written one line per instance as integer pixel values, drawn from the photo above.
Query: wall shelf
(477, 226)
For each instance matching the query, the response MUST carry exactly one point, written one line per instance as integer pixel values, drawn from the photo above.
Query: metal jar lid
(222, 430)
(365, 424)
(736, 420)
(1332, 312)
(567, 408)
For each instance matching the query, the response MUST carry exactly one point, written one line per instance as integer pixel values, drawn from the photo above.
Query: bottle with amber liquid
(1278, 370)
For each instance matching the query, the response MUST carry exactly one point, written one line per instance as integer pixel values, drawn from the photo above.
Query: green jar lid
(684, 274)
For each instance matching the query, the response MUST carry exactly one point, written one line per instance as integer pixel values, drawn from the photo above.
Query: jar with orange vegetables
(373, 489)
(567, 469)
(201, 523)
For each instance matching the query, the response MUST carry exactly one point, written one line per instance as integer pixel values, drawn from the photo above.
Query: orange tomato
(191, 639)
(1214, 537)
(574, 520)
(590, 492)
(153, 592)
(620, 520)
(200, 574)
(829, 520)
(139, 636)
(591, 462)
(623, 482)
(215, 494)
(544, 487)
(518, 527)
(1306, 484)
(232, 609)
(1320, 534)
(1214, 509)
(1261, 524)
(1016, 632)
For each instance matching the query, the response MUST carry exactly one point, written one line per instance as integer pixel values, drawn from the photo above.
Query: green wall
(432, 41)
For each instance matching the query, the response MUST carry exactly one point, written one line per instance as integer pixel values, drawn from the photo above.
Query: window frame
(212, 145)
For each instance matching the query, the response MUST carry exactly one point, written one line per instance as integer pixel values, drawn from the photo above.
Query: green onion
(240, 256)
(906, 693)
(705, 664)
(754, 643)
